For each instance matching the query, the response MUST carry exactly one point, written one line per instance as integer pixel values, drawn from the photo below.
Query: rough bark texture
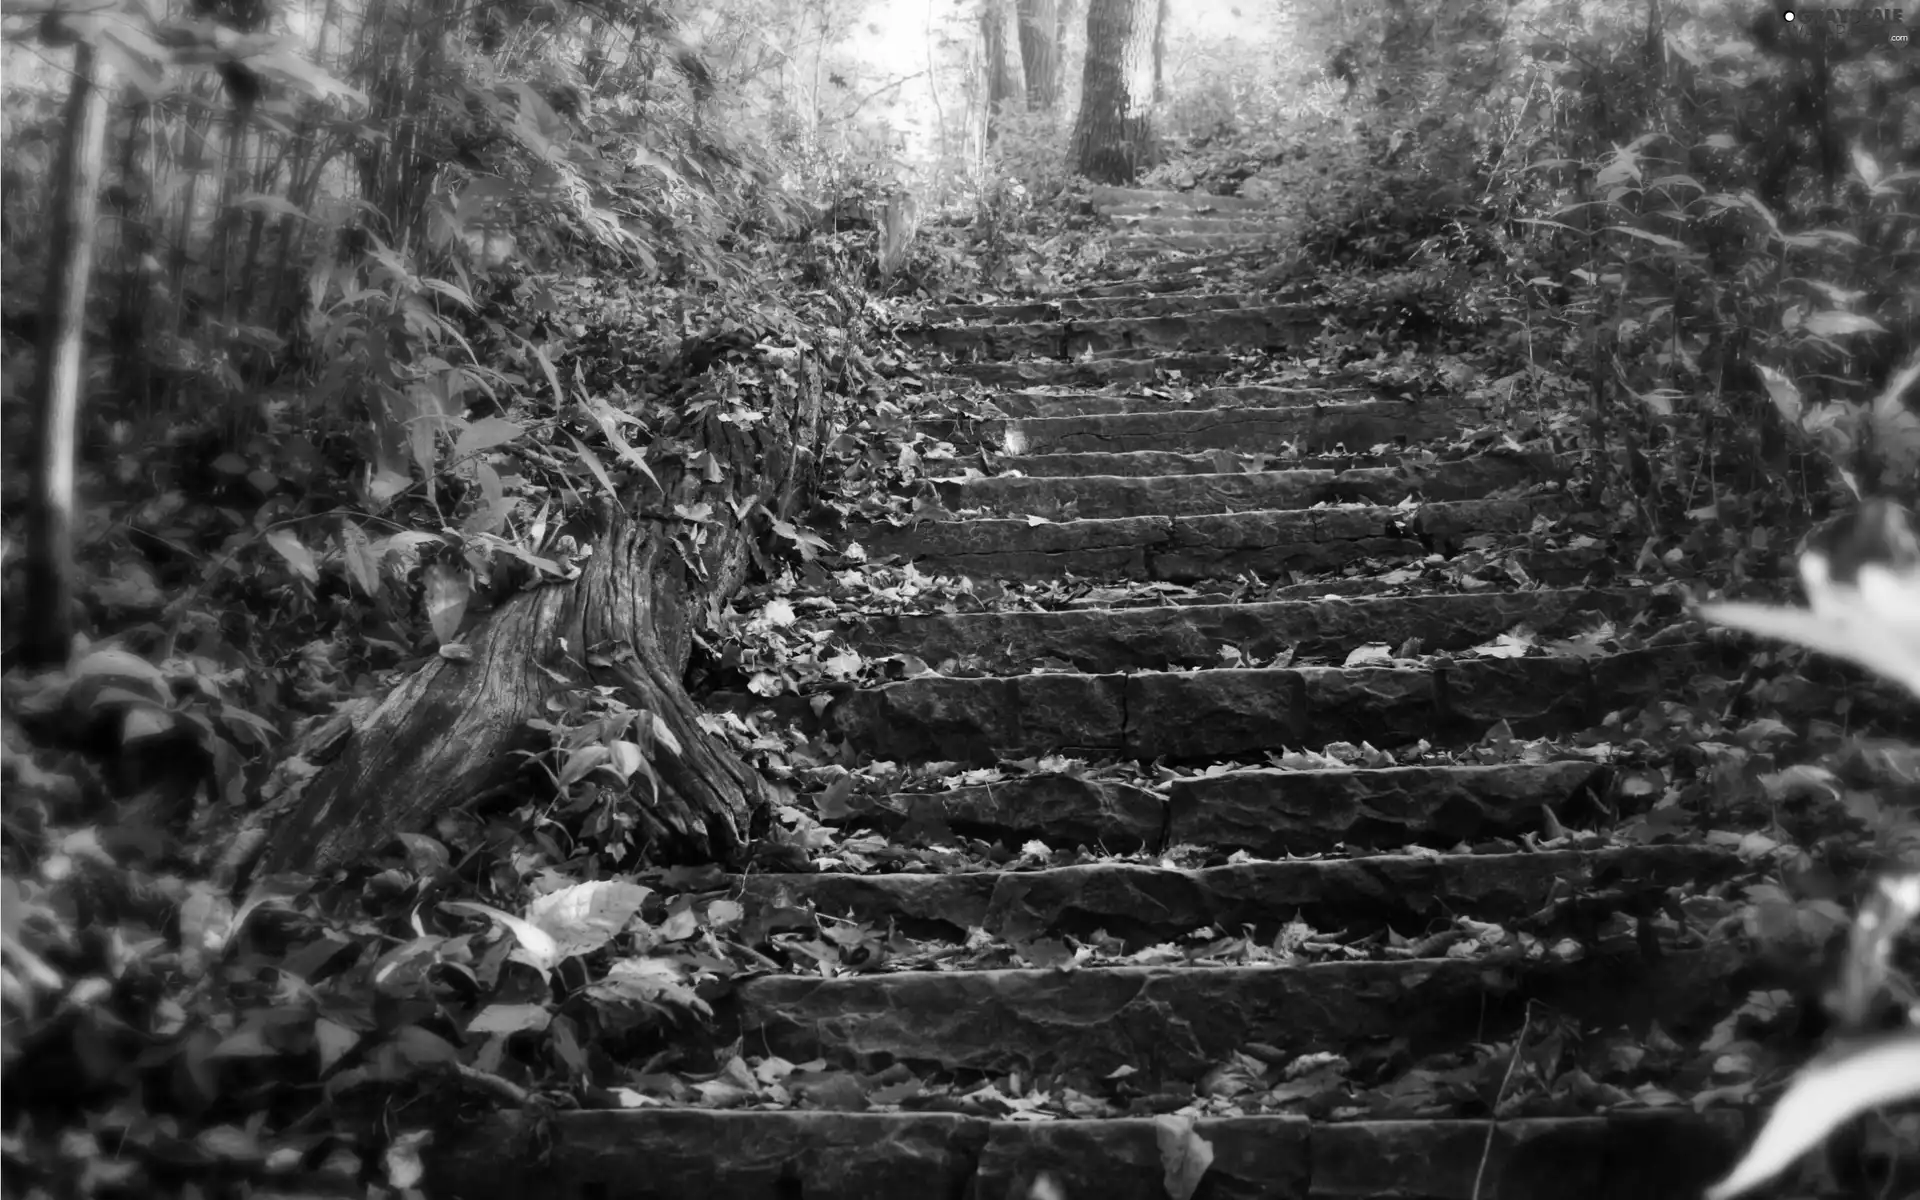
(1006, 74)
(48, 612)
(1040, 52)
(1113, 136)
(444, 737)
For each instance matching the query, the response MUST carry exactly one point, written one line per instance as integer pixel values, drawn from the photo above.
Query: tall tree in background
(1113, 135)
(1160, 53)
(1042, 32)
(62, 366)
(1006, 74)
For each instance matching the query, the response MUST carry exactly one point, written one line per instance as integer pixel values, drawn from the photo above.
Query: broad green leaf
(363, 565)
(448, 590)
(1659, 239)
(291, 548)
(1840, 324)
(587, 916)
(494, 507)
(143, 721)
(423, 1048)
(276, 206)
(1784, 393)
(1864, 164)
(332, 1040)
(126, 666)
(206, 922)
(510, 1018)
(536, 946)
(584, 762)
(594, 465)
(663, 734)
(1844, 635)
(485, 434)
(627, 758)
(647, 980)
(1851, 1079)
(553, 376)
(610, 429)
(303, 74)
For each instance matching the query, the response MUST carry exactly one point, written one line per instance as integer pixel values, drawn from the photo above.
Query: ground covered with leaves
(318, 1029)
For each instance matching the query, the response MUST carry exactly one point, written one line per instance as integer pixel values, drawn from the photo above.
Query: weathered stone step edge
(1287, 328)
(1174, 1023)
(1273, 812)
(1108, 196)
(1094, 372)
(1270, 812)
(1159, 279)
(1356, 425)
(1017, 405)
(1101, 496)
(683, 1153)
(1108, 640)
(1145, 905)
(1234, 714)
(1124, 244)
(1097, 314)
(1134, 464)
(1081, 307)
(1186, 549)
(1198, 222)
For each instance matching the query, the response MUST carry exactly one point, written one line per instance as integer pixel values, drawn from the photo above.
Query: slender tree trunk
(1006, 73)
(1160, 52)
(1113, 136)
(48, 637)
(1040, 52)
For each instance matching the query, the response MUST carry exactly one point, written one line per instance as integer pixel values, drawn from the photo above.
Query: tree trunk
(1040, 52)
(445, 737)
(1160, 52)
(48, 616)
(1113, 136)
(1006, 75)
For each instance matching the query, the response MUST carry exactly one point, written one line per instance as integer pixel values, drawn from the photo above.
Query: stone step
(1356, 425)
(1134, 464)
(1277, 813)
(1188, 275)
(1192, 716)
(1061, 810)
(1171, 1024)
(1129, 639)
(1096, 496)
(679, 1153)
(1073, 308)
(1079, 404)
(1288, 328)
(1094, 372)
(1124, 245)
(1105, 198)
(1144, 905)
(1261, 811)
(1134, 220)
(1191, 548)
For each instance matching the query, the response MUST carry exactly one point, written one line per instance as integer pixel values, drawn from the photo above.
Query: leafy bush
(1863, 582)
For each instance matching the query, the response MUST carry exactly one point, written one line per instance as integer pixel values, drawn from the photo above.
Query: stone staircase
(1281, 928)
(1149, 223)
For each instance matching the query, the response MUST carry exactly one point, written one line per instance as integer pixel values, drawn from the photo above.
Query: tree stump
(445, 736)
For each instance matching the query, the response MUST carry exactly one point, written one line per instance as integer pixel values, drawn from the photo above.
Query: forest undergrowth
(311, 482)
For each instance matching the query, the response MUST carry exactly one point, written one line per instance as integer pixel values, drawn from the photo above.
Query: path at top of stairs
(1304, 932)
